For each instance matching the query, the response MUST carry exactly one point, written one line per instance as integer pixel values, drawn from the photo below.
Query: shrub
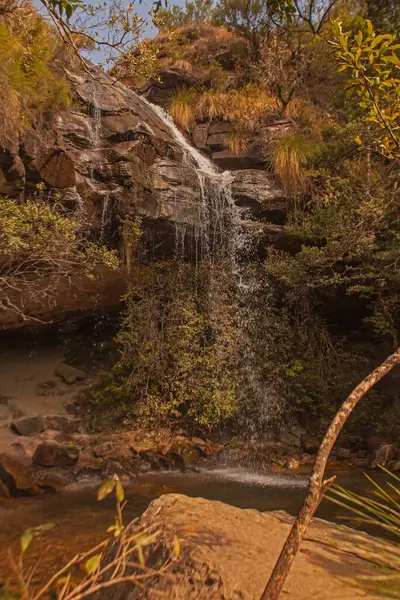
(28, 85)
(178, 353)
(39, 247)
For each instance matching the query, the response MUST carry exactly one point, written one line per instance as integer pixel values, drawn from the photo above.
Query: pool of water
(81, 522)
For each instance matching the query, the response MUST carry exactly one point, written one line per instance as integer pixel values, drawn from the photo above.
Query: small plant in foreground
(118, 559)
(383, 510)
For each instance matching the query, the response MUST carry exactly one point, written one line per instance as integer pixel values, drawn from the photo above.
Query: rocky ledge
(228, 553)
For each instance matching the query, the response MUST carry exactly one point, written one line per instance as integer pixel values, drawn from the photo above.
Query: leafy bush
(28, 84)
(39, 247)
(178, 354)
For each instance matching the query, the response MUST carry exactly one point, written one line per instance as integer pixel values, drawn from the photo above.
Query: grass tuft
(182, 107)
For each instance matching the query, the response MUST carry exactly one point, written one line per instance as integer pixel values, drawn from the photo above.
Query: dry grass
(182, 107)
(289, 152)
(28, 84)
(309, 117)
(247, 106)
(237, 142)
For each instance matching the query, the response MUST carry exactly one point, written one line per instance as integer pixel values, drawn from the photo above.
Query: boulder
(383, 454)
(343, 453)
(62, 424)
(310, 443)
(55, 455)
(29, 425)
(15, 475)
(52, 481)
(259, 193)
(70, 374)
(159, 91)
(288, 439)
(227, 553)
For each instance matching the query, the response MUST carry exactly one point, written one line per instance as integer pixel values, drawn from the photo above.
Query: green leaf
(26, 539)
(93, 563)
(395, 60)
(44, 527)
(120, 492)
(105, 489)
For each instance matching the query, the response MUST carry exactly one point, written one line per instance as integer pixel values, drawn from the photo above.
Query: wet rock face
(114, 157)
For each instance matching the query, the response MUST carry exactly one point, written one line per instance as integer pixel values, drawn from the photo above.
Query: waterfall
(203, 163)
(227, 232)
(95, 113)
(104, 218)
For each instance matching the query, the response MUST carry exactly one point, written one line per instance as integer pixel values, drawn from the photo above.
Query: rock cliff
(108, 155)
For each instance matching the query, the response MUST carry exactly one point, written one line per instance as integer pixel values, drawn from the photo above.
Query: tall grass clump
(237, 142)
(288, 155)
(182, 107)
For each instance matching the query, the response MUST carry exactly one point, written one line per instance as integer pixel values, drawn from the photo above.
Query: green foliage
(65, 6)
(37, 235)
(141, 60)
(40, 247)
(174, 16)
(371, 61)
(382, 510)
(28, 85)
(178, 355)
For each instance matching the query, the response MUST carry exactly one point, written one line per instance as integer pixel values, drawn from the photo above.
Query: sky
(142, 9)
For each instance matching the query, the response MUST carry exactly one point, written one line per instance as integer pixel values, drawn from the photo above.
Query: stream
(81, 522)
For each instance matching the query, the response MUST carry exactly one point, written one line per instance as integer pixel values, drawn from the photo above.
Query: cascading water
(104, 218)
(95, 113)
(225, 230)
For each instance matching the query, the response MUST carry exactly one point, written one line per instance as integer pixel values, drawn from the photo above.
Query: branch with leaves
(119, 559)
(373, 63)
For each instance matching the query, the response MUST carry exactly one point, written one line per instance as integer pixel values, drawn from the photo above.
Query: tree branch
(317, 485)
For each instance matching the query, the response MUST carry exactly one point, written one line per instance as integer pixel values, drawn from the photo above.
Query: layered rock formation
(111, 155)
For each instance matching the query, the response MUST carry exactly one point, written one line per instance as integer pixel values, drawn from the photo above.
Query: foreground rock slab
(228, 553)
